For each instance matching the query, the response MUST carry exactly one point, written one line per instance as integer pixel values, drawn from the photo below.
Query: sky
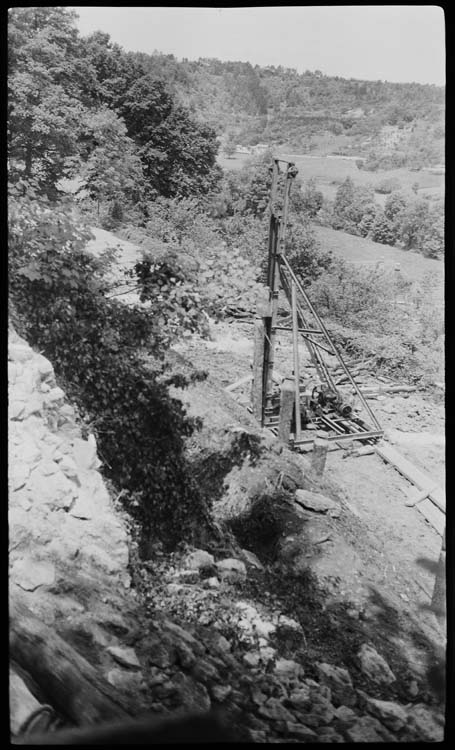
(395, 43)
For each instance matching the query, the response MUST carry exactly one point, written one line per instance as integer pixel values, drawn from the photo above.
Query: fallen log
(71, 684)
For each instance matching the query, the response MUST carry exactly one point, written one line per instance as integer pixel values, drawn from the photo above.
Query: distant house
(242, 150)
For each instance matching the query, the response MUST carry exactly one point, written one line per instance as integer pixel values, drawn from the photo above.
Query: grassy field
(361, 251)
(328, 173)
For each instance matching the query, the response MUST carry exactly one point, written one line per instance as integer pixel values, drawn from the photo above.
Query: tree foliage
(44, 111)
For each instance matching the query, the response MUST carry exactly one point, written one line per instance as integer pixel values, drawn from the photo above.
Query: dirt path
(400, 548)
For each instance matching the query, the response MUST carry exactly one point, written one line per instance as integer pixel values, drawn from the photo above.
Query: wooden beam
(71, 684)
(432, 506)
(416, 476)
(319, 456)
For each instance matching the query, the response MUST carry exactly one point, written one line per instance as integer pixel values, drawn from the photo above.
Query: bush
(387, 186)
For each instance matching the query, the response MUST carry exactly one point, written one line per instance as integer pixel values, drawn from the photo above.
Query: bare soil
(397, 546)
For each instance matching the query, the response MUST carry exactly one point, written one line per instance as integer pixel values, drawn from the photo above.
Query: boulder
(125, 656)
(425, 724)
(220, 693)
(315, 501)
(389, 713)
(55, 490)
(368, 729)
(319, 712)
(251, 559)
(231, 569)
(43, 366)
(54, 395)
(124, 680)
(252, 658)
(288, 622)
(19, 474)
(301, 697)
(19, 352)
(16, 410)
(193, 696)
(30, 574)
(345, 715)
(300, 732)
(198, 560)
(374, 666)
(274, 709)
(287, 669)
(84, 453)
(340, 683)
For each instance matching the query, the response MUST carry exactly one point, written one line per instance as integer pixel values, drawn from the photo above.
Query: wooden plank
(415, 475)
(433, 515)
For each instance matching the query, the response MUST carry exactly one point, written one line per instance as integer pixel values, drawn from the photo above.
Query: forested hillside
(278, 106)
(84, 107)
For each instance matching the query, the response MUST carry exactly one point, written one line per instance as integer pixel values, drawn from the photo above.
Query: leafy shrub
(95, 345)
(387, 186)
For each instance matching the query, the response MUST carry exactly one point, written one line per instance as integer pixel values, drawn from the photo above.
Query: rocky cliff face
(69, 568)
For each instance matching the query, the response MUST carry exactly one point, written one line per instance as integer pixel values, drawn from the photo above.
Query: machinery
(312, 401)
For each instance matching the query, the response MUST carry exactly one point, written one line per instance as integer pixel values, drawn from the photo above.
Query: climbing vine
(97, 346)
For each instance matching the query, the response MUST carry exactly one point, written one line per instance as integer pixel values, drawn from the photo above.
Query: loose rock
(340, 683)
(231, 569)
(30, 574)
(374, 666)
(198, 560)
(124, 656)
(427, 725)
(315, 501)
(389, 713)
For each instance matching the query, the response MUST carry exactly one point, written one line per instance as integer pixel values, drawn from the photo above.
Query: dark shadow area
(430, 565)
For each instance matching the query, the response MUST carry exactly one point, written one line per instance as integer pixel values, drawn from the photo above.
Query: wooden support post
(257, 394)
(320, 448)
(295, 341)
(287, 402)
(257, 386)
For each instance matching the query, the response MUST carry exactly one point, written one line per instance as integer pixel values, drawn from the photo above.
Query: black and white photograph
(226, 374)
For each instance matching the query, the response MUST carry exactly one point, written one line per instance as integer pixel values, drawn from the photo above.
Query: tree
(44, 111)
(413, 221)
(312, 199)
(112, 170)
(395, 203)
(178, 153)
(383, 230)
